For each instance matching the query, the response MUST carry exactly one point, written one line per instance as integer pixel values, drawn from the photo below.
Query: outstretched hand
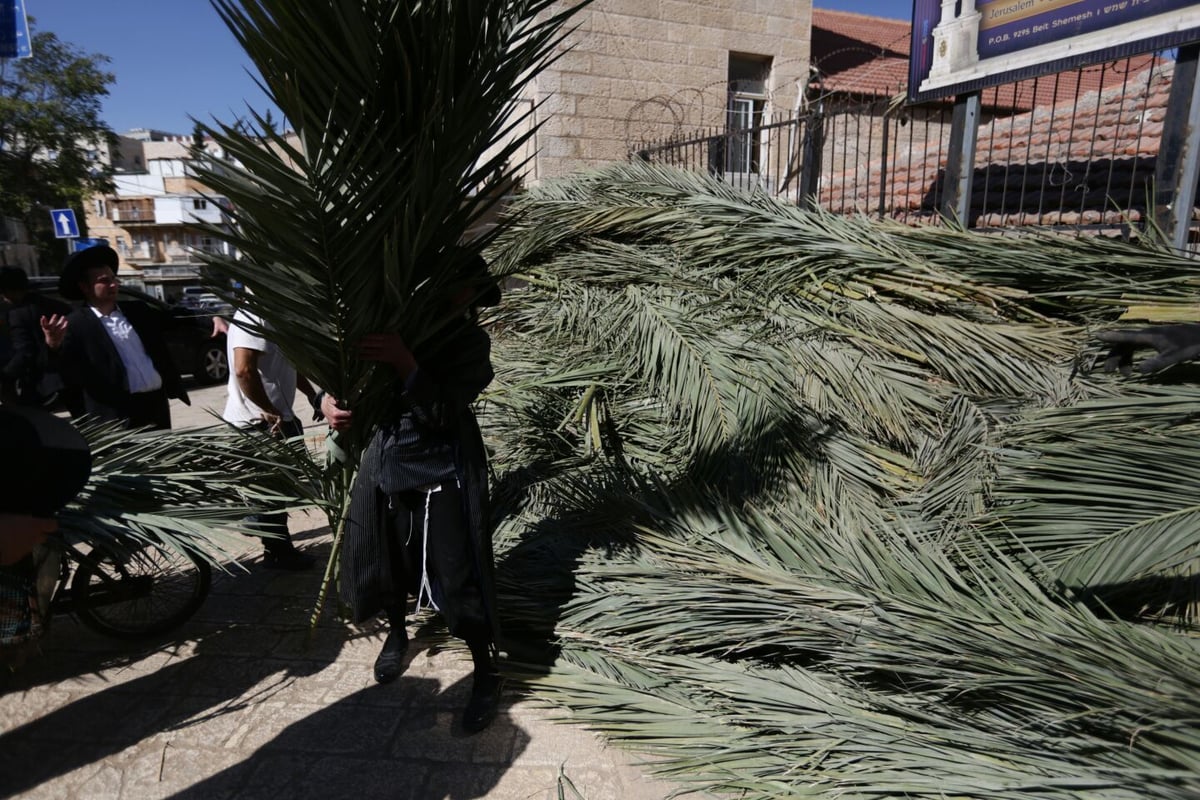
(54, 330)
(1174, 343)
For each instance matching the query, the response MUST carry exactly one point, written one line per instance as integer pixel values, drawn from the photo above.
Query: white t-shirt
(278, 376)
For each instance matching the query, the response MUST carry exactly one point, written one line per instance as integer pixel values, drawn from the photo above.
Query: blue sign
(64, 223)
(14, 30)
(961, 48)
(1006, 27)
(84, 244)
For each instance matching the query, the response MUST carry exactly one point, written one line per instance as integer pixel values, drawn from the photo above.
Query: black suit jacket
(89, 360)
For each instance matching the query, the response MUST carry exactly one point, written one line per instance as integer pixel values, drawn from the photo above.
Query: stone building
(640, 70)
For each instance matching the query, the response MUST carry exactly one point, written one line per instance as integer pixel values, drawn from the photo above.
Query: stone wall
(641, 70)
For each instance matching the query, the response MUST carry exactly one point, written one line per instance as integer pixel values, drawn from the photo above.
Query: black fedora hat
(76, 267)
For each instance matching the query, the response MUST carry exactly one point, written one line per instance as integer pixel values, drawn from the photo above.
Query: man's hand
(1174, 343)
(339, 418)
(54, 330)
(272, 421)
(388, 348)
(219, 325)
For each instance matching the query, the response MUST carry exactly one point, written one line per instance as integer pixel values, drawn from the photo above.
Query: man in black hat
(28, 357)
(116, 355)
(418, 522)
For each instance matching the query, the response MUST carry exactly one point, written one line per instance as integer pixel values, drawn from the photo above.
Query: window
(749, 76)
(100, 210)
(199, 203)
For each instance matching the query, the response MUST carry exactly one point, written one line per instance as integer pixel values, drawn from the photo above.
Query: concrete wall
(642, 70)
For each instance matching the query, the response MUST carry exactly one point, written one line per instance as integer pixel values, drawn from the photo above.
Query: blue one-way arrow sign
(64, 223)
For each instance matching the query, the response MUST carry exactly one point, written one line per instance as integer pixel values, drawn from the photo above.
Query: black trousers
(430, 529)
(150, 409)
(277, 522)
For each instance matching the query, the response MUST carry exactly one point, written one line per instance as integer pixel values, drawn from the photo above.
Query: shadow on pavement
(241, 686)
(397, 741)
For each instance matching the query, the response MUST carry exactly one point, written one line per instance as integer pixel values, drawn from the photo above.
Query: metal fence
(1075, 149)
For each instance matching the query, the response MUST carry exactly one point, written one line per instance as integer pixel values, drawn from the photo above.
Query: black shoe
(484, 703)
(390, 663)
(291, 559)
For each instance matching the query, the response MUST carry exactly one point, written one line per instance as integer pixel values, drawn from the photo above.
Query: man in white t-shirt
(262, 388)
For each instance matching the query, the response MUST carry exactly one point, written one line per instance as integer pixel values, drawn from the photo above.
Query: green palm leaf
(874, 607)
(186, 490)
(400, 112)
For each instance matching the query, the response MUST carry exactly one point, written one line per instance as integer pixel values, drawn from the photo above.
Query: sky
(175, 59)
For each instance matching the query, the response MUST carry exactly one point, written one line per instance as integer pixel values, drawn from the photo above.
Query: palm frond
(398, 109)
(888, 602)
(186, 490)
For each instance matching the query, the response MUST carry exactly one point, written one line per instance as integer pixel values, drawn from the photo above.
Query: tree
(50, 127)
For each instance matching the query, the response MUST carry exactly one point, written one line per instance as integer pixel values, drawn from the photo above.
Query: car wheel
(212, 366)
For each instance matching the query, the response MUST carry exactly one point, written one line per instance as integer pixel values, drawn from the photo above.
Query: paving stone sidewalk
(238, 704)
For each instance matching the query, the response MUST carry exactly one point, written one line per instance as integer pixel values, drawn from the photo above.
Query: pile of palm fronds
(813, 506)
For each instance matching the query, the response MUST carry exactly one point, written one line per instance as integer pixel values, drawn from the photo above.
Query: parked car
(194, 349)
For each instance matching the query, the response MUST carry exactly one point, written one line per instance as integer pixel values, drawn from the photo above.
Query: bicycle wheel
(138, 594)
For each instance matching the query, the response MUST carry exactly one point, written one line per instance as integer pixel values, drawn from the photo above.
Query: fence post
(883, 164)
(810, 172)
(1175, 171)
(960, 163)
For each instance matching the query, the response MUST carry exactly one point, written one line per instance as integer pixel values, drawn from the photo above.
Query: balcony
(170, 272)
(128, 215)
(140, 252)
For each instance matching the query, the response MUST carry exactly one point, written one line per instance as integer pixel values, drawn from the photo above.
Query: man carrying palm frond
(418, 521)
(408, 121)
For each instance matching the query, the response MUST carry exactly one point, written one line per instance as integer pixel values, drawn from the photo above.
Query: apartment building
(640, 70)
(147, 218)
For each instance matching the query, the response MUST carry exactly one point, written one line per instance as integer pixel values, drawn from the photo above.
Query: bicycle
(128, 592)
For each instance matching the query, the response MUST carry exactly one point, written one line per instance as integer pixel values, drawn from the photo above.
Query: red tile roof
(859, 54)
(1086, 161)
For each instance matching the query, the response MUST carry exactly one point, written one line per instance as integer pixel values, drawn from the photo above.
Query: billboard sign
(965, 46)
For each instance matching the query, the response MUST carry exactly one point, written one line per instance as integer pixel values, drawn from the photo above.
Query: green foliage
(809, 506)
(353, 225)
(49, 118)
(187, 490)
(406, 124)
